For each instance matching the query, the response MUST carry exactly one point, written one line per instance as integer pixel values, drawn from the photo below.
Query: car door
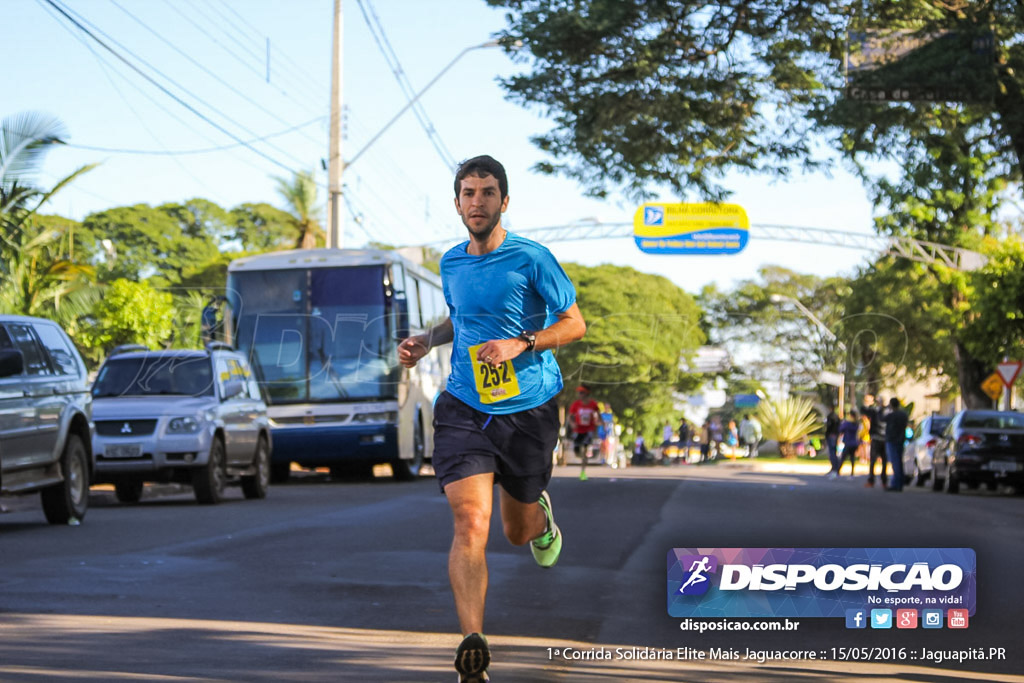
(232, 411)
(45, 404)
(17, 418)
(252, 409)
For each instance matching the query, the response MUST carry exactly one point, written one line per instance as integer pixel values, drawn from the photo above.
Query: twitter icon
(881, 618)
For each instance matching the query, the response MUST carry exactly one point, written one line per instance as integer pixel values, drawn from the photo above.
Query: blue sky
(213, 54)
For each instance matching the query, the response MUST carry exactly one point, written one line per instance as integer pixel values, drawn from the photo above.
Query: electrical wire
(186, 152)
(373, 22)
(220, 80)
(165, 90)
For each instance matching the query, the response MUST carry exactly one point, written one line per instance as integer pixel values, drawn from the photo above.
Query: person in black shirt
(895, 439)
(832, 441)
(876, 420)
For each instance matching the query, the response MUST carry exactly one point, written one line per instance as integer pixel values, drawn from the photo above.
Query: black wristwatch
(530, 338)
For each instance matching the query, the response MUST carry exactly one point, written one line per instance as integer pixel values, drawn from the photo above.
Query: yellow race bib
(493, 384)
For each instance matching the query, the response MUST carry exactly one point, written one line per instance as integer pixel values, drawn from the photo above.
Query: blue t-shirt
(518, 286)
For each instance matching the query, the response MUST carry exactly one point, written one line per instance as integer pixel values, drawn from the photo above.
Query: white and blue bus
(321, 328)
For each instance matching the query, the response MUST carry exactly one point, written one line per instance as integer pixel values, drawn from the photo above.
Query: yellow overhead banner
(702, 228)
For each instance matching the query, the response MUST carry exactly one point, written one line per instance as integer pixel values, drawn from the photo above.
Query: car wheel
(208, 481)
(408, 470)
(255, 485)
(952, 482)
(128, 491)
(68, 501)
(972, 485)
(937, 481)
(991, 485)
(921, 478)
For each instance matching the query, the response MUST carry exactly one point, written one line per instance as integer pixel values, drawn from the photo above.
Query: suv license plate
(124, 451)
(1003, 466)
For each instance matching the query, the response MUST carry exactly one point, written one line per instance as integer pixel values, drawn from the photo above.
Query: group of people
(877, 434)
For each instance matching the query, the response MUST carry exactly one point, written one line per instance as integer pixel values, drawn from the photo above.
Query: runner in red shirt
(584, 414)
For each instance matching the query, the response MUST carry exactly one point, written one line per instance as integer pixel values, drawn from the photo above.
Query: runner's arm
(569, 327)
(415, 347)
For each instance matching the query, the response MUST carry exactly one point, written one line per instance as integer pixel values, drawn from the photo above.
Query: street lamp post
(829, 334)
(337, 169)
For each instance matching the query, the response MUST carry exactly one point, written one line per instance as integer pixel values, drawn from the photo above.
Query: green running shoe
(583, 475)
(548, 545)
(472, 659)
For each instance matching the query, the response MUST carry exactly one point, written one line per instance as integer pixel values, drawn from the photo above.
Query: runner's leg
(522, 522)
(471, 500)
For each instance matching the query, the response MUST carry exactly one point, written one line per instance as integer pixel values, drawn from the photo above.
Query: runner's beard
(484, 234)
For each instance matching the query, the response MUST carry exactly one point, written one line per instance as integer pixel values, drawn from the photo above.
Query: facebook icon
(856, 618)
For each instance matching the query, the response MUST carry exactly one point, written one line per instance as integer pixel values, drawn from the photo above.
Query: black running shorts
(517, 448)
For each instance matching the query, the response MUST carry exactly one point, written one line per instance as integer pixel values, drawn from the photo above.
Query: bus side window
(416, 320)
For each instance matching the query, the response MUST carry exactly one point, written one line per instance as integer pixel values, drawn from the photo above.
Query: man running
(509, 302)
(584, 414)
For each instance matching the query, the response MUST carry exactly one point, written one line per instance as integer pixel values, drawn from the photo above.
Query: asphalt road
(327, 581)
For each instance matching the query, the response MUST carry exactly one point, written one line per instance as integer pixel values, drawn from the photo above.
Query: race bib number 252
(493, 384)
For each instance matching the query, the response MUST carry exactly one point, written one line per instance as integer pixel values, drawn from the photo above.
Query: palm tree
(787, 420)
(300, 195)
(36, 278)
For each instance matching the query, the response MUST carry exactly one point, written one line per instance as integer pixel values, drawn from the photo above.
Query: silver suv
(45, 438)
(188, 417)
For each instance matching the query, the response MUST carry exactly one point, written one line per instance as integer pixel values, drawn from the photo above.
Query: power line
(213, 38)
(164, 90)
(220, 80)
(186, 152)
(297, 72)
(396, 68)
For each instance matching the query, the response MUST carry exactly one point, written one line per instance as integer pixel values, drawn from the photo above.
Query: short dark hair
(481, 167)
(894, 402)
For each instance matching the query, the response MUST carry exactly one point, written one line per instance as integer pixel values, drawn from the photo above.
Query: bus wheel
(408, 470)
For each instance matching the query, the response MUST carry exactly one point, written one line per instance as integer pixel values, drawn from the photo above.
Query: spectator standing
(832, 441)
(895, 440)
(750, 434)
(849, 432)
(876, 429)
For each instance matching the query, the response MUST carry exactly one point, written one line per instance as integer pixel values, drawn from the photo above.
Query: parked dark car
(45, 430)
(980, 447)
(917, 457)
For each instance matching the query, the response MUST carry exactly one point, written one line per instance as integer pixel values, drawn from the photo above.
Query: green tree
(640, 328)
(163, 243)
(261, 227)
(674, 92)
(769, 339)
(129, 313)
(299, 193)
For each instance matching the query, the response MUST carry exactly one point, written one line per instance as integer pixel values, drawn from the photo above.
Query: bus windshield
(319, 334)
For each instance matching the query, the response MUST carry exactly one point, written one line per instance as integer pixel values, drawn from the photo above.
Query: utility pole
(335, 164)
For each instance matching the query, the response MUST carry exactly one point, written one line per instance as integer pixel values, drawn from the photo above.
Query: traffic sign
(993, 386)
(1008, 371)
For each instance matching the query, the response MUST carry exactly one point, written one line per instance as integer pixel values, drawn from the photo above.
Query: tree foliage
(639, 329)
(768, 337)
(129, 313)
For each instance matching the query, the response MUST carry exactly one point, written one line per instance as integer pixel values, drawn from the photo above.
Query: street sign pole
(1008, 371)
